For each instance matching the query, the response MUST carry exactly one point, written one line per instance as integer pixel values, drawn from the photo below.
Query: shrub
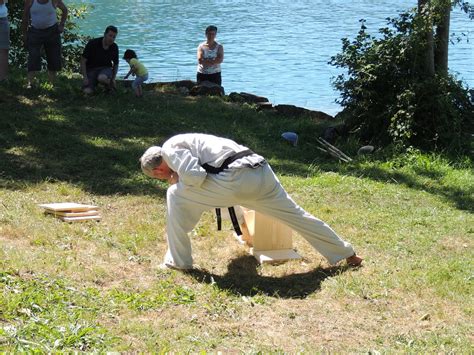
(387, 98)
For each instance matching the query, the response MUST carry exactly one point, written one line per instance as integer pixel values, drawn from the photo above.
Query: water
(277, 49)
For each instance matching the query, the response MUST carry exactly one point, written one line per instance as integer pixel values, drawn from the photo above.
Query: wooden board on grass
(73, 214)
(68, 207)
(80, 219)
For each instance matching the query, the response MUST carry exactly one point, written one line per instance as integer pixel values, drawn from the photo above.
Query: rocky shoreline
(191, 88)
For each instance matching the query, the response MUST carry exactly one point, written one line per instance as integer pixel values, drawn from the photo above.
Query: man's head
(153, 165)
(110, 34)
(211, 32)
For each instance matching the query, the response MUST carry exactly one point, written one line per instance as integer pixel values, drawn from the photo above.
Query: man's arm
(186, 166)
(25, 20)
(64, 13)
(116, 65)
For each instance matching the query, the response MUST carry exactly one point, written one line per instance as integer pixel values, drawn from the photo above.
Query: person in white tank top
(210, 55)
(40, 28)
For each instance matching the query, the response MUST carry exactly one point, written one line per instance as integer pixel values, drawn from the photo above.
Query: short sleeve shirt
(98, 57)
(140, 68)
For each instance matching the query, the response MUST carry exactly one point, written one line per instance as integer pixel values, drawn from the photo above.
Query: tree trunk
(424, 11)
(442, 38)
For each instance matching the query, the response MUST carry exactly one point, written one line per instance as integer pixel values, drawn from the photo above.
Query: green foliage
(73, 43)
(387, 96)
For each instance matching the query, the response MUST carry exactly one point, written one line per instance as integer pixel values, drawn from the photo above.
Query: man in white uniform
(207, 172)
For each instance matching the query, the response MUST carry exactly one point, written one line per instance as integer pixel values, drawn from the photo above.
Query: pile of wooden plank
(72, 212)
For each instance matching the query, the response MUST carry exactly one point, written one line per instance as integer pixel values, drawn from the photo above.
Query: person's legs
(215, 78)
(4, 47)
(275, 202)
(34, 44)
(182, 215)
(92, 81)
(137, 85)
(3, 64)
(52, 46)
(105, 76)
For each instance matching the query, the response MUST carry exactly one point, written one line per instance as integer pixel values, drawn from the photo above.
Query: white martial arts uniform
(248, 182)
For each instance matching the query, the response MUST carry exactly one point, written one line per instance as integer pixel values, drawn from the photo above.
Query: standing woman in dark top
(100, 61)
(210, 55)
(41, 29)
(4, 40)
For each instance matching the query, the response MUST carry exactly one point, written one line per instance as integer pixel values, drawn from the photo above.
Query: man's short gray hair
(150, 160)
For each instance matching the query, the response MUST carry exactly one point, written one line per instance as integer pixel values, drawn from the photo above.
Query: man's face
(109, 37)
(211, 35)
(162, 171)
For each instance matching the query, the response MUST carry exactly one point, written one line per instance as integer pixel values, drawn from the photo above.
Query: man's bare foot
(354, 260)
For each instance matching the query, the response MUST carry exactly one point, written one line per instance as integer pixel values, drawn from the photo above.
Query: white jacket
(185, 153)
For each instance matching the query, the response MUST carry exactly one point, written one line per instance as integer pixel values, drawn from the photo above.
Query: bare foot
(354, 260)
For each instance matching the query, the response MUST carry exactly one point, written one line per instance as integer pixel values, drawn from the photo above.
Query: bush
(73, 43)
(387, 98)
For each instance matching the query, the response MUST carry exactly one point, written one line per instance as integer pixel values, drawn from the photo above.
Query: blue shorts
(139, 81)
(93, 74)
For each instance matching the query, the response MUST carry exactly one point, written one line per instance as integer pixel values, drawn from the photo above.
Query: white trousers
(257, 189)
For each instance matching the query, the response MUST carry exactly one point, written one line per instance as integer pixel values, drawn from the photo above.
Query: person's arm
(220, 55)
(25, 20)
(200, 54)
(64, 13)
(128, 74)
(190, 172)
(115, 67)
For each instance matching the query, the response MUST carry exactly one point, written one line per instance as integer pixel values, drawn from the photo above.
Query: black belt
(213, 170)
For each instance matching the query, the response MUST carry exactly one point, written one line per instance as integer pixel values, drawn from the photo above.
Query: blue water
(277, 49)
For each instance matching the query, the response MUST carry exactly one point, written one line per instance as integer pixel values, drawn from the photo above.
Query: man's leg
(275, 202)
(182, 215)
(103, 79)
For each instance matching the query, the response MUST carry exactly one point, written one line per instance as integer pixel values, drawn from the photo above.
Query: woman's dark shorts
(50, 39)
(213, 78)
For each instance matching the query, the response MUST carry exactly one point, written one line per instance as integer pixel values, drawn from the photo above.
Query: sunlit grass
(96, 286)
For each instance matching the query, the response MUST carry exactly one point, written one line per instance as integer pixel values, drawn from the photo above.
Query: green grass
(97, 286)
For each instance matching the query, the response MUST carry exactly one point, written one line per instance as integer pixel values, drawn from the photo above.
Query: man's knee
(103, 79)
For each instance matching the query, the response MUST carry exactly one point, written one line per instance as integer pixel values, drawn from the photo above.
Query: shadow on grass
(242, 279)
(95, 142)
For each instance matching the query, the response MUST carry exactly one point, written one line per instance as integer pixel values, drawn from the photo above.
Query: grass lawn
(96, 286)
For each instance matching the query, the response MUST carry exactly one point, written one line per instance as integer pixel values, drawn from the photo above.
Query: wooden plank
(80, 219)
(68, 207)
(73, 214)
(274, 256)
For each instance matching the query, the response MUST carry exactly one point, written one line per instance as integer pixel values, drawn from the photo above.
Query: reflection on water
(278, 49)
